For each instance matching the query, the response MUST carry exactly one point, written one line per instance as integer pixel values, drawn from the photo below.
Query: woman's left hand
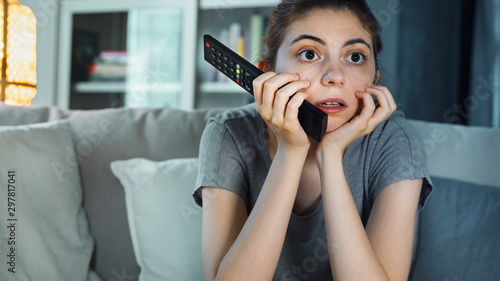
(362, 124)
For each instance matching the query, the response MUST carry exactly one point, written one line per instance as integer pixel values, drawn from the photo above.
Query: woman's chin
(334, 125)
(335, 122)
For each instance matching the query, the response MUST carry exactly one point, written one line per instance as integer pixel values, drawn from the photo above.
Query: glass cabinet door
(127, 53)
(153, 77)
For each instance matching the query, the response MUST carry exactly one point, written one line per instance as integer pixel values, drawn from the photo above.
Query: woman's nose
(333, 76)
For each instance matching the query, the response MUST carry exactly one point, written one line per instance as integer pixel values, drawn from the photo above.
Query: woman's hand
(362, 124)
(278, 106)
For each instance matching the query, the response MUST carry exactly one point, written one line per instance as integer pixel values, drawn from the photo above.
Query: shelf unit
(70, 8)
(199, 17)
(213, 16)
(94, 87)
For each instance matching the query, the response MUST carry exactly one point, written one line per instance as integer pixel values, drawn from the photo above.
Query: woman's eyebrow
(319, 40)
(356, 41)
(310, 37)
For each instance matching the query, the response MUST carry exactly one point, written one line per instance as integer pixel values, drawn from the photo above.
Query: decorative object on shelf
(111, 65)
(17, 53)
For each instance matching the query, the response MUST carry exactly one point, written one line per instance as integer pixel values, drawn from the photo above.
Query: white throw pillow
(44, 232)
(164, 221)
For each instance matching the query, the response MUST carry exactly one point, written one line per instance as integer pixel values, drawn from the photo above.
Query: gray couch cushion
(103, 136)
(465, 153)
(49, 237)
(459, 233)
(23, 115)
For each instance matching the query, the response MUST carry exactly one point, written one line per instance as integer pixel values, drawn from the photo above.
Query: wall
(47, 16)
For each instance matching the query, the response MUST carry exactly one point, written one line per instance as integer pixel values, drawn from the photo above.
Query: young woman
(279, 206)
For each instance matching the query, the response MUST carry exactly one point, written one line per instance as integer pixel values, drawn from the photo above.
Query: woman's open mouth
(331, 106)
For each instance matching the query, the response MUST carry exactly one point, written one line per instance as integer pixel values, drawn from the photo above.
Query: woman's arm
(239, 248)
(383, 251)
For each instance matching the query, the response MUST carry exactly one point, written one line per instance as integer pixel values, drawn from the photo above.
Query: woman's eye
(356, 58)
(308, 55)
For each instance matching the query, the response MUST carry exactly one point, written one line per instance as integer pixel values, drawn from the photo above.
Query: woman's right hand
(279, 107)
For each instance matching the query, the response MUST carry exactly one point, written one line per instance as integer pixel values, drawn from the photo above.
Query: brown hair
(289, 11)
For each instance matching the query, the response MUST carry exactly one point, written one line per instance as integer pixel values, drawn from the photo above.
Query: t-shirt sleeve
(399, 155)
(220, 162)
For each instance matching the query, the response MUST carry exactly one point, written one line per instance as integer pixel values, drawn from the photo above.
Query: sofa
(106, 195)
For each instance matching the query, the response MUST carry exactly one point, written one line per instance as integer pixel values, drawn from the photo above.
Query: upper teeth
(331, 104)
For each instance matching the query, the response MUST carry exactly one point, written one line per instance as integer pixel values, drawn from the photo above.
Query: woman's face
(333, 51)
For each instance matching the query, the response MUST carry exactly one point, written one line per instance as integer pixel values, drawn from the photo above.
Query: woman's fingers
(258, 88)
(367, 111)
(272, 92)
(372, 115)
(283, 101)
(292, 111)
(387, 105)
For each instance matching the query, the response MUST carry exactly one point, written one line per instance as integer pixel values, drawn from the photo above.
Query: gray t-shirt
(234, 156)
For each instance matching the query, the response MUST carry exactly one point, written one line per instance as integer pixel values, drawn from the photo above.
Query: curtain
(429, 60)
(483, 103)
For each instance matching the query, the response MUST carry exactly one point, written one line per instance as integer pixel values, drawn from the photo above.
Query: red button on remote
(208, 45)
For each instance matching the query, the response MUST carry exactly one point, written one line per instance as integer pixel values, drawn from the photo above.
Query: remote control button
(232, 63)
(219, 54)
(207, 44)
(214, 50)
(219, 61)
(238, 71)
(237, 80)
(225, 65)
(238, 66)
(226, 58)
(232, 70)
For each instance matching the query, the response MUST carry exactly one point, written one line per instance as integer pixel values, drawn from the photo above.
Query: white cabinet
(160, 40)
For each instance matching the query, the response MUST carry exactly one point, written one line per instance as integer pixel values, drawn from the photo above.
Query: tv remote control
(312, 119)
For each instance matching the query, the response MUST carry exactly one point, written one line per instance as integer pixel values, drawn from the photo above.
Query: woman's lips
(333, 105)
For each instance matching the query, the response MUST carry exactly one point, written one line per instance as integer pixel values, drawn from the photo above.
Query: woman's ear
(377, 76)
(264, 66)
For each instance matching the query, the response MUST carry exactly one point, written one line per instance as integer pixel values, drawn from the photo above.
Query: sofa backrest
(103, 136)
(466, 153)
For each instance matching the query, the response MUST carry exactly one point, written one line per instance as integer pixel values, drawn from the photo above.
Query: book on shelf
(110, 65)
(256, 35)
